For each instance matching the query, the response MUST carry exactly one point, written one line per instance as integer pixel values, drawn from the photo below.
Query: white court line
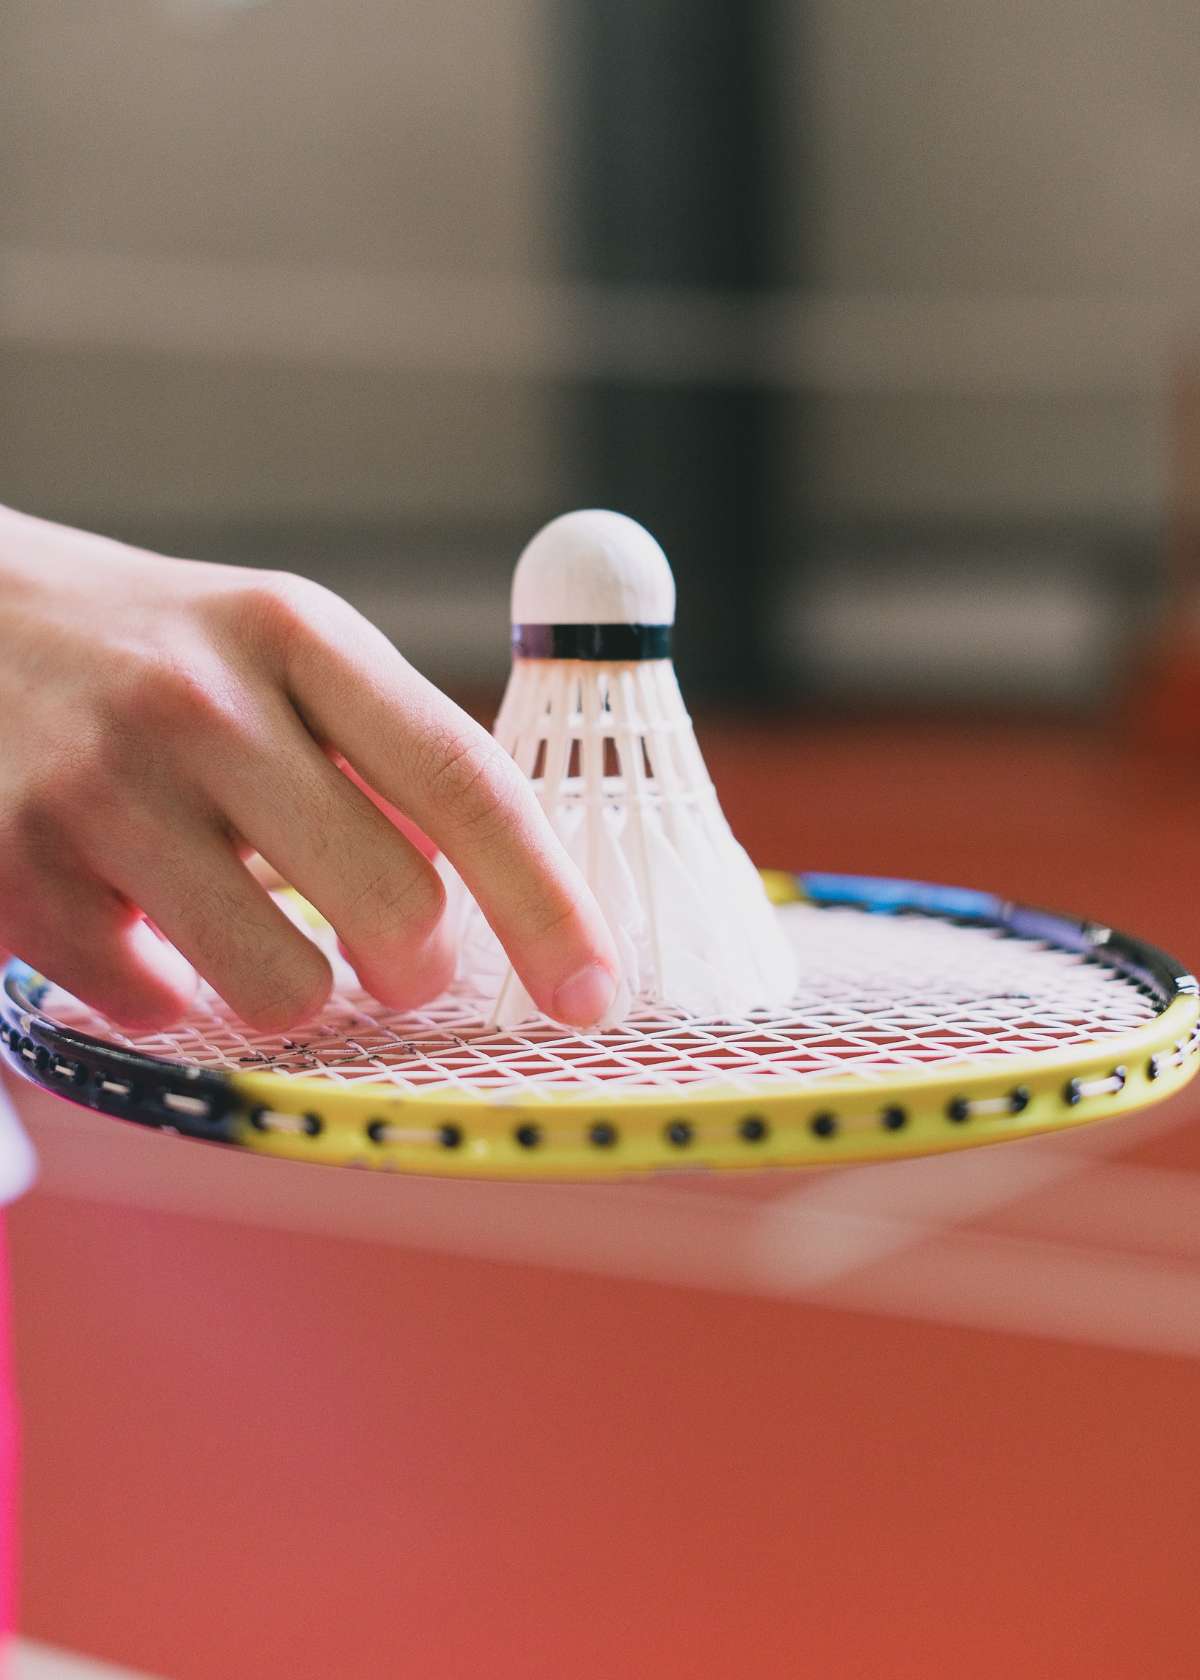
(890, 1206)
(1079, 1296)
(34, 1661)
(809, 1239)
(897, 1240)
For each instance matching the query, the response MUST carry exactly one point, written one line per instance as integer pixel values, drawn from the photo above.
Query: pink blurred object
(8, 1471)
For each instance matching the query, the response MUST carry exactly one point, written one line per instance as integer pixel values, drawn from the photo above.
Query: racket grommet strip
(295, 1125)
(1108, 1085)
(384, 1132)
(188, 1105)
(71, 1073)
(1180, 1052)
(961, 1109)
(35, 1054)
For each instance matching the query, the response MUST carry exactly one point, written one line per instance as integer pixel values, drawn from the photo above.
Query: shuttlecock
(594, 717)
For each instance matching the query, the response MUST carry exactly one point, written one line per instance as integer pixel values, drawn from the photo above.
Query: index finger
(426, 756)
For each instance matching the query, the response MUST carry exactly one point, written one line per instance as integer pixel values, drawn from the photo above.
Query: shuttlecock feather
(594, 716)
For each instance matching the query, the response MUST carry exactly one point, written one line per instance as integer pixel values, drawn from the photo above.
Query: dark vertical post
(671, 188)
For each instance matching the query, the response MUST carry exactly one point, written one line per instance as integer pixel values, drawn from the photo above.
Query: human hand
(161, 720)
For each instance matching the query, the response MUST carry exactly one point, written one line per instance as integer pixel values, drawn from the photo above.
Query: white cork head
(593, 567)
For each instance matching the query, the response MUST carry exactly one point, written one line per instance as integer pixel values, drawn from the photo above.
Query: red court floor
(927, 1419)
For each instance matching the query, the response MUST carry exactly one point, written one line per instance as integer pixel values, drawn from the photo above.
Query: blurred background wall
(870, 310)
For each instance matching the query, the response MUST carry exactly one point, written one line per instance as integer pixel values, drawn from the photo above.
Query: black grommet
(1121, 1075)
(823, 1125)
(257, 1121)
(312, 1124)
(958, 1110)
(894, 1119)
(376, 1131)
(679, 1132)
(450, 1136)
(1019, 1099)
(753, 1129)
(14, 1039)
(603, 1134)
(1152, 1068)
(528, 1136)
(41, 1058)
(1072, 1093)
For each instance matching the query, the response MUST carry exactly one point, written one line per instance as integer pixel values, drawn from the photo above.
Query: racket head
(927, 1019)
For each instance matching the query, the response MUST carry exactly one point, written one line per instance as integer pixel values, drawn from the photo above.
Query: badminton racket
(924, 1019)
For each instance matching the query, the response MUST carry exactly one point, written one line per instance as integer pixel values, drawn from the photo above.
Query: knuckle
(477, 783)
(287, 995)
(109, 780)
(44, 816)
(57, 809)
(548, 918)
(158, 697)
(398, 906)
(278, 608)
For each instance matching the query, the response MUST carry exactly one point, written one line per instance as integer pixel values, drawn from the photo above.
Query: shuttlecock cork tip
(593, 567)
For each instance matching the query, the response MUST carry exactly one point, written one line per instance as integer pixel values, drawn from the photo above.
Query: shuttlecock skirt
(611, 753)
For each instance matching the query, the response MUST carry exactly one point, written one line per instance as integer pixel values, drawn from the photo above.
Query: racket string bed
(874, 995)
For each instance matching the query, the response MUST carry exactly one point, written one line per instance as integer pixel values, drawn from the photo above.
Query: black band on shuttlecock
(592, 641)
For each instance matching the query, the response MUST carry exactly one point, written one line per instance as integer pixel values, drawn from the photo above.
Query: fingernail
(583, 999)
